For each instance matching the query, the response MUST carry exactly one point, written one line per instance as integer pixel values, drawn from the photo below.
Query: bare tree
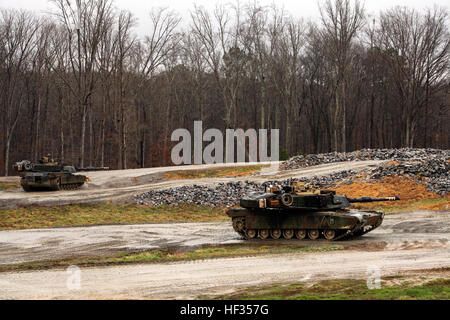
(19, 30)
(81, 84)
(341, 22)
(417, 50)
(150, 55)
(221, 52)
(85, 23)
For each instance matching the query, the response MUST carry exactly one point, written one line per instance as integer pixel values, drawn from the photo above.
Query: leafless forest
(81, 84)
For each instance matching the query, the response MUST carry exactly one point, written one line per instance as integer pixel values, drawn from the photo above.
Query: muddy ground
(188, 280)
(121, 185)
(405, 241)
(425, 229)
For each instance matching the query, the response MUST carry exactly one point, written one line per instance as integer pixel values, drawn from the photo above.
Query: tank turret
(301, 210)
(299, 196)
(49, 174)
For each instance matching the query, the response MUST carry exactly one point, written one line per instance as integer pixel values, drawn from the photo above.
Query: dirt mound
(405, 188)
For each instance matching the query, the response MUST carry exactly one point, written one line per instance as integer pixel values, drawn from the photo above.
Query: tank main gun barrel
(369, 199)
(93, 169)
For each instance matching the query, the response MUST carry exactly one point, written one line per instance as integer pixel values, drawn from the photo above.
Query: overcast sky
(298, 8)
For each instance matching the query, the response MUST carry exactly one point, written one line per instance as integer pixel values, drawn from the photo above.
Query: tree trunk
(36, 137)
(344, 138)
(83, 134)
(61, 127)
(8, 144)
(102, 133)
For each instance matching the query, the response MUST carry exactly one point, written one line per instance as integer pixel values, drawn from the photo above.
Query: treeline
(81, 85)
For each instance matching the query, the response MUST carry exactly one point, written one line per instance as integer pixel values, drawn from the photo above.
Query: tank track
(70, 186)
(301, 234)
(65, 187)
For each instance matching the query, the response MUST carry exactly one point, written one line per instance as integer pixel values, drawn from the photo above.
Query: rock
(364, 154)
(426, 166)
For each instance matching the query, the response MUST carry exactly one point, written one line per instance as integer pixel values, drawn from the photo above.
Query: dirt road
(405, 241)
(217, 276)
(118, 185)
(399, 231)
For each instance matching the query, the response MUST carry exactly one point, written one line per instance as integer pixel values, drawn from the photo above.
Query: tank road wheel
(329, 234)
(275, 233)
(288, 233)
(238, 224)
(250, 234)
(300, 234)
(287, 199)
(263, 234)
(313, 234)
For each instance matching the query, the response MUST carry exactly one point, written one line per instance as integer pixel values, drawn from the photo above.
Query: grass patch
(159, 256)
(214, 172)
(82, 215)
(346, 290)
(9, 186)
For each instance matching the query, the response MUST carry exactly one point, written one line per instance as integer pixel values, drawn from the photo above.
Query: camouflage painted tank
(299, 211)
(50, 175)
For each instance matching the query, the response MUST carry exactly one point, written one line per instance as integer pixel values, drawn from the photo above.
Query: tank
(49, 174)
(301, 211)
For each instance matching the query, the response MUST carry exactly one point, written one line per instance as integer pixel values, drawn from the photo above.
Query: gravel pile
(365, 154)
(434, 173)
(224, 195)
(427, 166)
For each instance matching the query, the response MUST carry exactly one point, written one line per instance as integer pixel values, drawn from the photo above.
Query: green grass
(214, 172)
(81, 215)
(166, 256)
(8, 186)
(346, 290)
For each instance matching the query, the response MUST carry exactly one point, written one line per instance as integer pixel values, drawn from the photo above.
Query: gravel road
(398, 231)
(118, 185)
(186, 280)
(405, 241)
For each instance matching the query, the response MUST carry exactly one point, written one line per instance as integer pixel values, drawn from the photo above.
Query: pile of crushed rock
(403, 154)
(427, 166)
(433, 173)
(222, 195)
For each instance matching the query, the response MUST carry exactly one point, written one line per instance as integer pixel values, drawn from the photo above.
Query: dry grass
(406, 288)
(160, 256)
(214, 173)
(81, 215)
